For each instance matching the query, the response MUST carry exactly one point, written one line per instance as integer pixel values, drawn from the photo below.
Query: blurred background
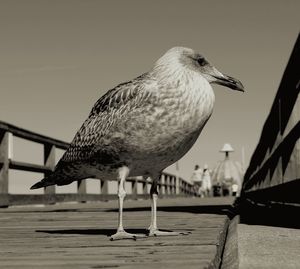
(59, 57)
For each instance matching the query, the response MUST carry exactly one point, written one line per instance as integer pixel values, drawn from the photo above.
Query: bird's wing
(113, 105)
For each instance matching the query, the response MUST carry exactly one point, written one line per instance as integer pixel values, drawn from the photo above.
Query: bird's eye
(201, 61)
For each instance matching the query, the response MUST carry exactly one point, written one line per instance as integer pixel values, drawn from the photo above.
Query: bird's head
(184, 60)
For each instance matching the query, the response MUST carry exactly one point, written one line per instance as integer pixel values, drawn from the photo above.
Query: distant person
(217, 189)
(197, 179)
(206, 181)
(234, 189)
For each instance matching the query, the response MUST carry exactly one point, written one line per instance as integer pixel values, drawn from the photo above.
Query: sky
(59, 57)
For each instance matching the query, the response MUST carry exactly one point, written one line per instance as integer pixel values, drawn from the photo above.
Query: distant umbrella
(227, 172)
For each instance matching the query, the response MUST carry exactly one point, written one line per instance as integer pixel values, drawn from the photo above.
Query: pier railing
(273, 175)
(169, 185)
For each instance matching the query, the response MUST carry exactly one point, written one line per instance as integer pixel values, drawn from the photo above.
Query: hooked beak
(229, 82)
(224, 80)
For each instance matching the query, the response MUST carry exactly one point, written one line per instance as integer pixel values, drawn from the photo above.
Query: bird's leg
(121, 234)
(153, 230)
(154, 196)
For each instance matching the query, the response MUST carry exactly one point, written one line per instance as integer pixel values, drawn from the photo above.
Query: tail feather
(41, 184)
(64, 174)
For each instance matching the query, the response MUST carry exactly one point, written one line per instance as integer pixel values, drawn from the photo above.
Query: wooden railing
(273, 175)
(169, 185)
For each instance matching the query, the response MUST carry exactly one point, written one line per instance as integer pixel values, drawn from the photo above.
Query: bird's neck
(198, 95)
(184, 84)
(168, 74)
(188, 95)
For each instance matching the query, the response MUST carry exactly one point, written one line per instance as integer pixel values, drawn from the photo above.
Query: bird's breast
(169, 123)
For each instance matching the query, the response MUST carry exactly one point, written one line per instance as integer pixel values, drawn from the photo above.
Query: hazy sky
(59, 57)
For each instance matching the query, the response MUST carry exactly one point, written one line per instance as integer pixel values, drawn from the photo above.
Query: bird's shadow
(107, 232)
(207, 209)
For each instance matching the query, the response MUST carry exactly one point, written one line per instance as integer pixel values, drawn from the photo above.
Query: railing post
(177, 188)
(4, 167)
(49, 161)
(181, 187)
(172, 185)
(103, 186)
(81, 189)
(145, 187)
(134, 188)
(162, 182)
(159, 184)
(166, 184)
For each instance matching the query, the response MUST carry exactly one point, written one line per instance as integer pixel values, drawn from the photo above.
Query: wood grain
(76, 235)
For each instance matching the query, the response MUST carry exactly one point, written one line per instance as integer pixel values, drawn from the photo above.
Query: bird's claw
(120, 235)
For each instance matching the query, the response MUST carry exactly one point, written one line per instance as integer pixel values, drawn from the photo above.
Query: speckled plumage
(145, 124)
(142, 126)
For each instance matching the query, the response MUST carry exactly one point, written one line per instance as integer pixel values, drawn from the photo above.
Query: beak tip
(237, 85)
(241, 88)
(229, 82)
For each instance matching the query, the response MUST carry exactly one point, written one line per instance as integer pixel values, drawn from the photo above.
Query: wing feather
(111, 107)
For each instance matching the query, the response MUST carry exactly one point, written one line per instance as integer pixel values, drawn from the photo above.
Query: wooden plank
(75, 236)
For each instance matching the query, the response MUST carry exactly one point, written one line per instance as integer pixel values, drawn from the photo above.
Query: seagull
(142, 126)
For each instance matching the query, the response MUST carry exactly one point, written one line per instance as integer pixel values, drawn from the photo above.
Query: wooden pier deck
(75, 235)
